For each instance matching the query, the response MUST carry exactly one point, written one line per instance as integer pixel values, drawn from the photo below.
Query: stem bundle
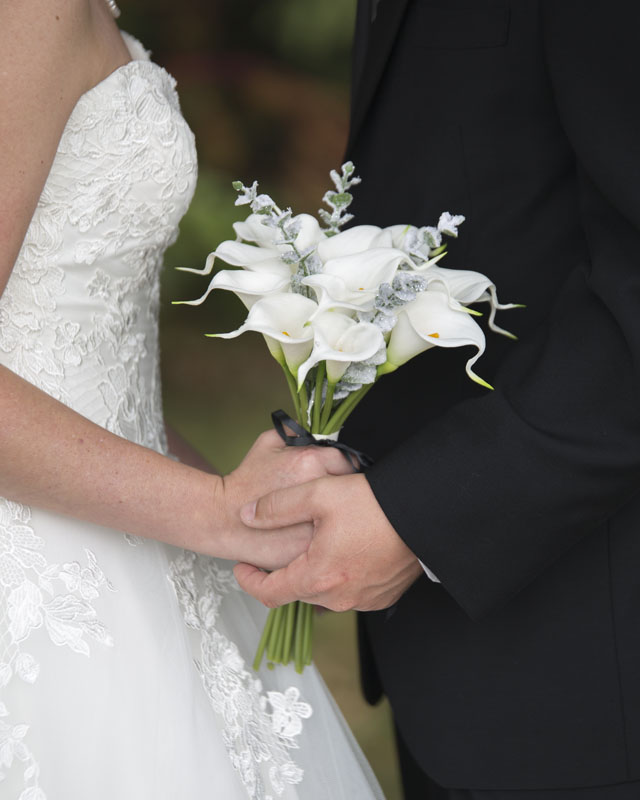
(288, 631)
(287, 636)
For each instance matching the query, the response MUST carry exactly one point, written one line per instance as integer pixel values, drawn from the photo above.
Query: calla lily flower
(253, 229)
(429, 321)
(402, 235)
(248, 286)
(340, 340)
(466, 286)
(310, 233)
(353, 240)
(284, 321)
(353, 281)
(259, 279)
(248, 256)
(263, 257)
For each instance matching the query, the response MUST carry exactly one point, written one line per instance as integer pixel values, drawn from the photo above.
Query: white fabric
(125, 664)
(428, 573)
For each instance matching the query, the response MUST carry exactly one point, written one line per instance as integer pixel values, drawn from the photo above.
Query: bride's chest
(124, 172)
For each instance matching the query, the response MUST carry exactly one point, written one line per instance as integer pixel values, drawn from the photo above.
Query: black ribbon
(302, 438)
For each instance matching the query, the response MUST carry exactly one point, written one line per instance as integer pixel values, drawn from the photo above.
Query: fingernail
(248, 512)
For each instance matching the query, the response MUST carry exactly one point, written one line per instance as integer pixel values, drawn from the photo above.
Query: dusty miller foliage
(340, 200)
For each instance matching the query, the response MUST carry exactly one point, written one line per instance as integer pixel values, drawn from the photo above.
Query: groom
(518, 676)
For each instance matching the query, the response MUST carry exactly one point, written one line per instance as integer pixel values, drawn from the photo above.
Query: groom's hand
(355, 560)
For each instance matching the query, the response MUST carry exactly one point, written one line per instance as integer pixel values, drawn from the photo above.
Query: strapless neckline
(140, 58)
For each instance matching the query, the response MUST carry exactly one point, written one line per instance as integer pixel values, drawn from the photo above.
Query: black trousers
(418, 786)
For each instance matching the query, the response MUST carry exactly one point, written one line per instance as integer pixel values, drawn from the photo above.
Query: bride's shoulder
(74, 43)
(46, 63)
(42, 40)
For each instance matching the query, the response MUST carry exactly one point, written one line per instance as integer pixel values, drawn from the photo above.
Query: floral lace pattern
(79, 320)
(34, 594)
(259, 728)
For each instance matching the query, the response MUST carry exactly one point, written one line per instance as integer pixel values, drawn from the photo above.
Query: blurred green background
(265, 88)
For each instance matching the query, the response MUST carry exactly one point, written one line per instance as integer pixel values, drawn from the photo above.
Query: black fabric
(418, 786)
(522, 671)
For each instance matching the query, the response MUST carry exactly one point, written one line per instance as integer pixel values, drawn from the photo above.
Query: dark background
(265, 88)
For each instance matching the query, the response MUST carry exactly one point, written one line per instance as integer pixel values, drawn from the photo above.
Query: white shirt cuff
(428, 572)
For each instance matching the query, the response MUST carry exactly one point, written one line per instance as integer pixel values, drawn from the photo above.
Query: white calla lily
(353, 240)
(284, 321)
(249, 256)
(248, 286)
(340, 340)
(260, 278)
(261, 260)
(399, 234)
(429, 321)
(310, 233)
(253, 229)
(353, 281)
(466, 286)
(412, 240)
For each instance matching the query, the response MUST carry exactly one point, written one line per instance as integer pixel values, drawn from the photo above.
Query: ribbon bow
(302, 438)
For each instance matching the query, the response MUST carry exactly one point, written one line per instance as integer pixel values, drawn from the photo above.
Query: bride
(125, 643)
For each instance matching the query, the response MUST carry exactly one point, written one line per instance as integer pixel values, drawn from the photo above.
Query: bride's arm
(54, 458)
(51, 51)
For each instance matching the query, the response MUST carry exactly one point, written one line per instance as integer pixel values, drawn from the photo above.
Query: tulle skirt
(125, 673)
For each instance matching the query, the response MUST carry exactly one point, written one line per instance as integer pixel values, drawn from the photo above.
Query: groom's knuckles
(333, 589)
(310, 463)
(333, 461)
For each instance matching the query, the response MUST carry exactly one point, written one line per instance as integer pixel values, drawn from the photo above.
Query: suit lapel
(381, 37)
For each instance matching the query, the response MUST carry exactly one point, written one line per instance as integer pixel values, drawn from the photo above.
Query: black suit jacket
(523, 669)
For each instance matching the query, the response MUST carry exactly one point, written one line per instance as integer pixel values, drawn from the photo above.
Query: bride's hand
(270, 465)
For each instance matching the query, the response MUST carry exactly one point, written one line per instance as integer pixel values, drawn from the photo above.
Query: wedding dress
(125, 664)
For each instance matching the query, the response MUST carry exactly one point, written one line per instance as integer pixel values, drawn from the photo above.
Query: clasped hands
(322, 533)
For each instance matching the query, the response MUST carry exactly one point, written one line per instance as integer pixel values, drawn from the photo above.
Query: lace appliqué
(259, 729)
(79, 314)
(35, 595)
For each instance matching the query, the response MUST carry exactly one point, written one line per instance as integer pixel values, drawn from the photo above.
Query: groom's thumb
(279, 509)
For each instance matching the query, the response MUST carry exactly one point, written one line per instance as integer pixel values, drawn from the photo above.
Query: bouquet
(339, 309)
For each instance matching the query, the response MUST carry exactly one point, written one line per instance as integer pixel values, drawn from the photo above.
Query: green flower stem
(291, 383)
(304, 406)
(263, 641)
(308, 634)
(385, 369)
(273, 638)
(317, 400)
(299, 637)
(281, 634)
(288, 636)
(328, 404)
(344, 409)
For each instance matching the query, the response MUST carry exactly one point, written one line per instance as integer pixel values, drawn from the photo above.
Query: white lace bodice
(80, 308)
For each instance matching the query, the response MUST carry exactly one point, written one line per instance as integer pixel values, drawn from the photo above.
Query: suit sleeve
(492, 493)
